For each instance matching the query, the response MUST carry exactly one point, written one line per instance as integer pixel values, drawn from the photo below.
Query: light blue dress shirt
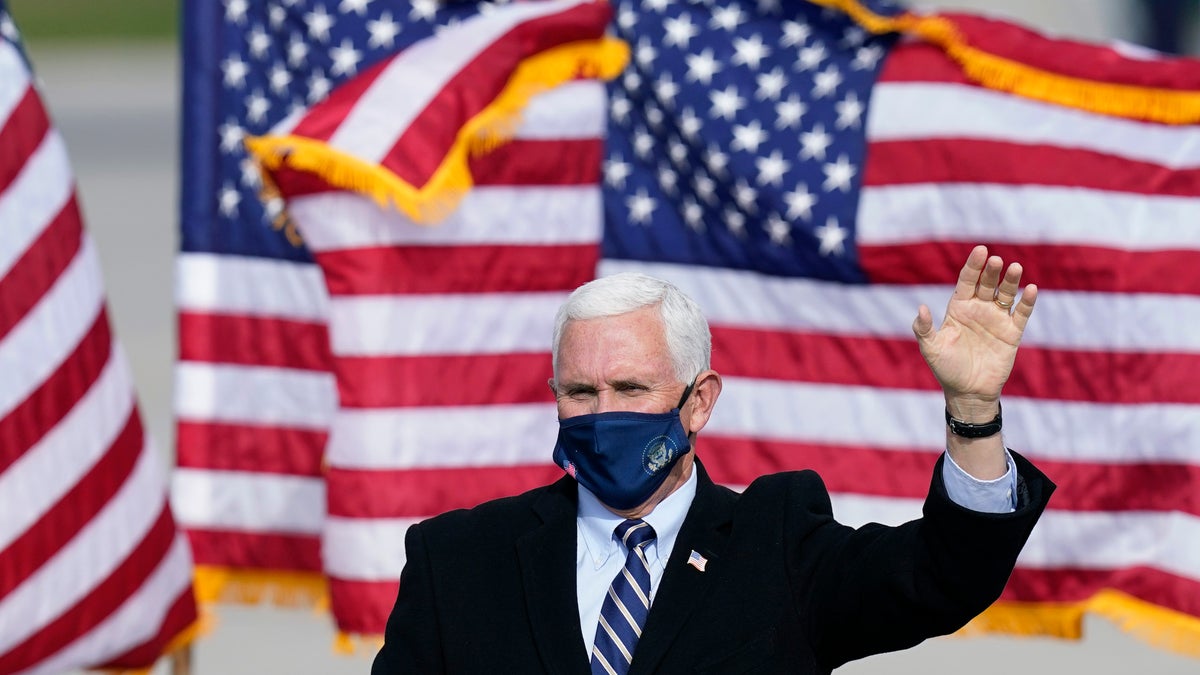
(599, 556)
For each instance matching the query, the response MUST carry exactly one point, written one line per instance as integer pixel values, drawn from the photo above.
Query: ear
(700, 404)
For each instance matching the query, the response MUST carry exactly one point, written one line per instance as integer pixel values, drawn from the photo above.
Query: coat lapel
(547, 556)
(706, 531)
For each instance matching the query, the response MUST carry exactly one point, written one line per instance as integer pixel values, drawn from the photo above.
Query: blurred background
(110, 74)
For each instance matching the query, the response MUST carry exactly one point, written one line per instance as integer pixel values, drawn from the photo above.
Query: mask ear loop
(683, 399)
(686, 393)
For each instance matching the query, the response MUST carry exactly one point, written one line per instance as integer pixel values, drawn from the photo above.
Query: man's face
(618, 363)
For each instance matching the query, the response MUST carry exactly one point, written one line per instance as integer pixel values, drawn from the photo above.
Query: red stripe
(253, 341)
(738, 461)
(1152, 585)
(56, 527)
(362, 606)
(424, 492)
(100, 602)
(966, 160)
(29, 421)
(238, 447)
(40, 266)
(895, 363)
(1082, 486)
(255, 550)
(921, 62)
(1064, 267)
(558, 162)
(1088, 61)
(422, 146)
(458, 269)
(817, 357)
(566, 161)
(21, 135)
(473, 379)
(180, 616)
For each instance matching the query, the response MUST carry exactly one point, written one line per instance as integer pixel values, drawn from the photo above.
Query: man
(637, 556)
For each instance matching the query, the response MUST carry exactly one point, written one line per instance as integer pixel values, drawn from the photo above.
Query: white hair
(684, 326)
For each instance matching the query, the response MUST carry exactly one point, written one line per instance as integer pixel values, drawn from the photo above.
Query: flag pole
(181, 661)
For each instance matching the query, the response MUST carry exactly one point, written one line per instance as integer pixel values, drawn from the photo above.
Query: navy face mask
(622, 457)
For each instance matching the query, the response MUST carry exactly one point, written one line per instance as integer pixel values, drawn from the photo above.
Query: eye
(579, 393)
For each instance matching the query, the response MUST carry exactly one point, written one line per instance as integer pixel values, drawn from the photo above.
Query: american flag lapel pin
(696, 560)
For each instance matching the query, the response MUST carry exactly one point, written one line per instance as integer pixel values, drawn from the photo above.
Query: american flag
(92, 569)
(810, 183)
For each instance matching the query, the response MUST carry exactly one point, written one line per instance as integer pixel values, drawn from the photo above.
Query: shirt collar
(596, 523)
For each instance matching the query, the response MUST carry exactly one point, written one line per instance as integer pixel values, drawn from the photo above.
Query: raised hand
(973, 352)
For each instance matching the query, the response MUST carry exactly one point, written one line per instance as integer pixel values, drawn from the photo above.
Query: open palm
(973, 351)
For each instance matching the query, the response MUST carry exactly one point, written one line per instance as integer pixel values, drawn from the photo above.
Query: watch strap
(968, 430)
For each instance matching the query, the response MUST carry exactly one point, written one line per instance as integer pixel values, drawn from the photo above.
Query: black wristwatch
(968, 430)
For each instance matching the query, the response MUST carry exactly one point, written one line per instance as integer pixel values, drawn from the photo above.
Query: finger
(1006, 292)
(1024, 308)
(989, 279)
(968, 277)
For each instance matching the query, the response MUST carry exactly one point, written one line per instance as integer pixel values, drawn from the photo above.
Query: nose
(604, 401)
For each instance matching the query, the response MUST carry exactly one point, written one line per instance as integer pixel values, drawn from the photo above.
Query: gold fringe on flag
(353, 644)
(252, 587)
(1151, 104)
(1152, 624)
(604, 58)
(279, 587)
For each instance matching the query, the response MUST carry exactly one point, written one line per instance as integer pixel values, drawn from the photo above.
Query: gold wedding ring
(1003, 305)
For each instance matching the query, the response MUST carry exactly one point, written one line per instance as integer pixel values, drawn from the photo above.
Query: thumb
(922, 326)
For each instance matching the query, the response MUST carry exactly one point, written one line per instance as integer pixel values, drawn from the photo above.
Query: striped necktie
(626, 605)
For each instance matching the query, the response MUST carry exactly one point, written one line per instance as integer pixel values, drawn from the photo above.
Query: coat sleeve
(412, 640)
(876, 588)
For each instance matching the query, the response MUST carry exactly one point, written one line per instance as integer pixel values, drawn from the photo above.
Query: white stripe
(254, 395)
(418, 74)
(14, 81)
(545, 215)
(973, 212)
(918, 110)
(229, 284)
(494, 323)
(242, 501)
(773, 409)
(1064, 319)
(35, 348)
(464, 436)
(574, 110)
(138, 619)
(1101, 540)
(365, 549)
(903, 419)
(34, 197)
(1168, 541)
(51, 467)
(85, 561)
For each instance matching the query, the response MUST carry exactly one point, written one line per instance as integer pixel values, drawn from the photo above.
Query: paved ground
(118, 109)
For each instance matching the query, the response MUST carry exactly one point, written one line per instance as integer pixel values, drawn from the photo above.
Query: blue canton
(737, 136)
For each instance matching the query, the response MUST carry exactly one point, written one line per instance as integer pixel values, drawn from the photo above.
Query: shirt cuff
(986, 496)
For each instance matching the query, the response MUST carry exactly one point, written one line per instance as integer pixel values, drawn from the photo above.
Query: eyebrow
(580, 387)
